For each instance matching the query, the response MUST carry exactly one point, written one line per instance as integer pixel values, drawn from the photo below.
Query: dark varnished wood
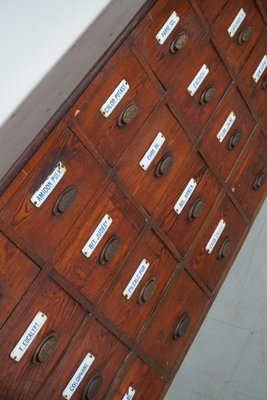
(87, 274)
(109, 139)
(147, 384)
(23, 380)
(211, 12)
(218, 154)
(251, 164)
(17, 273)
(211, 267)
(178, 227)
(144, 185)
(234, 54)
(166, 65)
(253, 92)
(183, 296)
(130, 315)
(188, 108)
(109, 354)
(39, 227)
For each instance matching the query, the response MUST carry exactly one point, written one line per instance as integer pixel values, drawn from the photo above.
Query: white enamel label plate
(215, 236)
(28, 336)
(97, 236)
(114, 99)
(48, 186)
(241, 15)
(167, 28)
(260, 69)
(198, 79)
(226, 126)
(79, 375)
(152, 151)
(136, 278)
(185, 196)
(130, 394)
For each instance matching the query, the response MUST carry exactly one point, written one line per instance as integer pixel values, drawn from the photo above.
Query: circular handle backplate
(196, 209)
(45, 349)
(179, 42)
(264, 84)
(164, 165)
(182, 326)
(109, 250)
(65, 200)
(207, 95)
(92, 387)
(235, 139)
(259, 180)
(245, 35)
(225, 248)
(128, 114)
(148, 291)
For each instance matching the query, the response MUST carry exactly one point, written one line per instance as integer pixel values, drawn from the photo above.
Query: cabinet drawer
(249, 179)
(211, 12)
(106, 232)
(199, 88)
(236, 31)
(51, 191)
(137, 290)
(168, 36)
(218, 240)
(155, 157)
(187, 203)
(126, 94)
(227, 134)
(17, 273)
(139, 382)
(170, 330)
(252, 79)
(43, 341)
(74, 377)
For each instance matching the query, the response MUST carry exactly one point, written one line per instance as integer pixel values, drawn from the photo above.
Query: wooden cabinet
(118, 231)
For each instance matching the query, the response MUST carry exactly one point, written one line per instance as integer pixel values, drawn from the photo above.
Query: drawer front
(139, 381)
(211, 13)
(75, 377)
(155, 157)
(17, 273)
(168, 36)
(199, 89)
(125, 91)
(237, 30)
(36, 343)
(187, 203)
(106, 232)
(170, 330)
(249, 179)
(252, 79)
(227, 134)
(51, 191)
(217, 242)
(137, 290)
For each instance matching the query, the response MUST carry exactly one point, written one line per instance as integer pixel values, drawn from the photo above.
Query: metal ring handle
(182, 326)
(65, 200)
(128, 114)
(109, 250)
(179, 42)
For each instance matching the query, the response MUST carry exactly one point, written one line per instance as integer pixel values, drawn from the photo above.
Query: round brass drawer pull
(182, 326)
(264, 85)
(196, 209)
(148, 291)
(245, 35)
(92, 387)
(225, 248)
(235, 139)
(109, 250)
(45, 349)
(179, 42)
(129, 113)
(65, 200)
(259, 181)
(207, 95)
(164, 165)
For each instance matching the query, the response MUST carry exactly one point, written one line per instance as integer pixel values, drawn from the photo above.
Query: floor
(228, 359)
